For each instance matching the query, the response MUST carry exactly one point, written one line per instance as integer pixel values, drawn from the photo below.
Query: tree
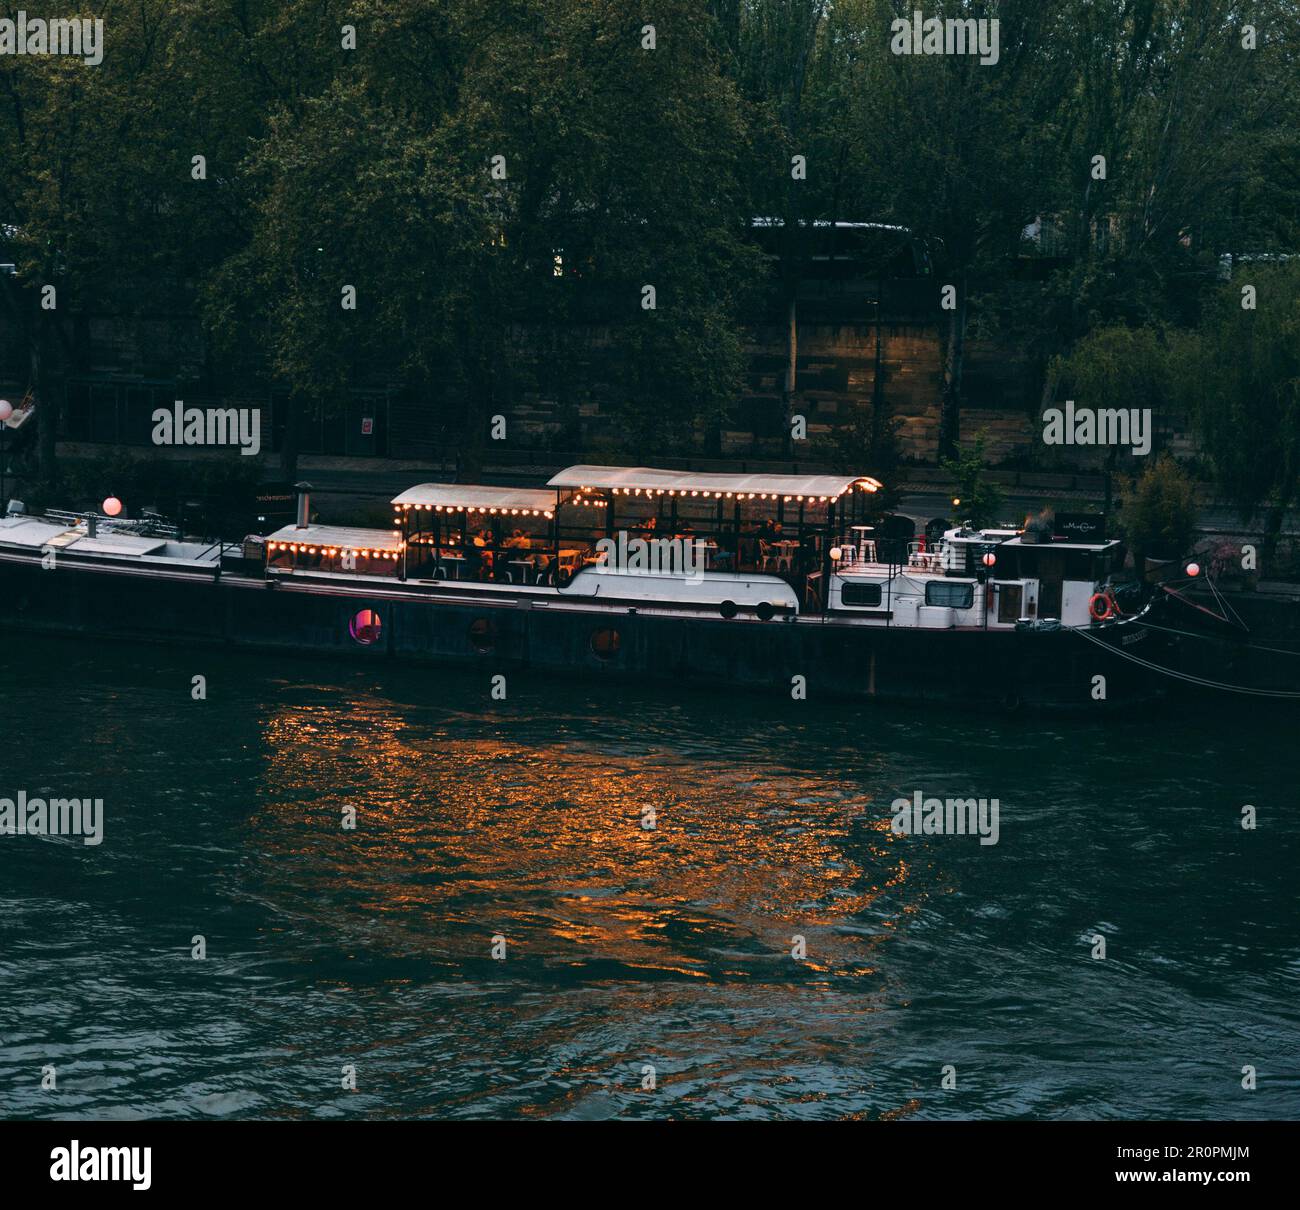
(1239, 373)
(1194, 162)
(533, 168)
(1121, 368)
(101, 194)
(1160, 510)
(975, 500)
(77, 213)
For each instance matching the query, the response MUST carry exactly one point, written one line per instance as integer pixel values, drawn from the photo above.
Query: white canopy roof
(474, 497)
(626, 479)
(336, 537)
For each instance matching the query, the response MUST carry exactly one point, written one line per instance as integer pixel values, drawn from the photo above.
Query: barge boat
(724, 580)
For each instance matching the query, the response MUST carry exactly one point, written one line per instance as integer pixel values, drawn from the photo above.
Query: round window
(605, 643)
(366, 627)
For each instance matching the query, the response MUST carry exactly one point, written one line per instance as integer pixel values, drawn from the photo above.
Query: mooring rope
(1183, 676)
(1214, 638)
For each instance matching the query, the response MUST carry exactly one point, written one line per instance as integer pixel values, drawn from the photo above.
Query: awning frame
(651, 482)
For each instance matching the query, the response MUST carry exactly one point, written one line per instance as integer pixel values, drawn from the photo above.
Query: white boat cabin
(988, 579)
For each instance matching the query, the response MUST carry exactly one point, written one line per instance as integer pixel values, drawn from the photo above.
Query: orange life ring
(1100, 607)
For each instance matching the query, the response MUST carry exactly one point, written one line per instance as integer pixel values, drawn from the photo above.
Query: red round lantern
(6, 410)
(112, 506)
(1193, 570)
(990, 559)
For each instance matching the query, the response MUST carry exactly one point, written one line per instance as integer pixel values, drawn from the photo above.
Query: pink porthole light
(366, 627)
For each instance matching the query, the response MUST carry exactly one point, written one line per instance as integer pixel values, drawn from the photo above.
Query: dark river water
(626, 948)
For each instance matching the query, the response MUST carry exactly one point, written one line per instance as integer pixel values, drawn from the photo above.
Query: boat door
(1051, 577)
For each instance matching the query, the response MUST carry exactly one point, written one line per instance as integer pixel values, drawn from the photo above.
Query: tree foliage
(976, 500)
(1239, 373)
(1160, 510)
(627, 159)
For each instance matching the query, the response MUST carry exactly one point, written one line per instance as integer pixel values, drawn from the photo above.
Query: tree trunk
(289, 446)
(47, 410)
(469, 454)
(791, 365)
(877, 383)
(953, 363)
(480, 407)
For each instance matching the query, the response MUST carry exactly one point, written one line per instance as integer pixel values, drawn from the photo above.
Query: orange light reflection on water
(464, 832)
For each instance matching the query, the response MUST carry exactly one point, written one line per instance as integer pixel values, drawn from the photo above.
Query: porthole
(727, 609)
(366, 627)
(482, 635)
(605, 642)
(765, 610)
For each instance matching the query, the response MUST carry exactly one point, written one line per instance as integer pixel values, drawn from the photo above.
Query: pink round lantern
(112, 506)
(6, 410)
(990, 559)
(1193, 570)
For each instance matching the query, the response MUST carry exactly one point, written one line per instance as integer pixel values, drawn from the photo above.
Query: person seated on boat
(474, 555)
(686, 530)
(483, 538)
(649, 524)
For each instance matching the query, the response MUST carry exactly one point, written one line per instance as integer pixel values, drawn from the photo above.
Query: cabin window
(865, 595)
(951, 593)
(366, 627)
(605, 643)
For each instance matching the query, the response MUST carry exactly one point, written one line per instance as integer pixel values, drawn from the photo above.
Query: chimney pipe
(304, 504)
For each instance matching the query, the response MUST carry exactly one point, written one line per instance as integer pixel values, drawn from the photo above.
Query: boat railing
(150, 526)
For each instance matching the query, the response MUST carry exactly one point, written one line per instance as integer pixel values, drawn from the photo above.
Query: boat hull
(1053, 669)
